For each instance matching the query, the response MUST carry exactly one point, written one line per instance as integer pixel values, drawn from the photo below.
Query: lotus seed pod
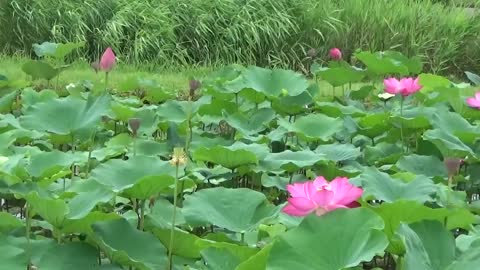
(178, 157)
(134, 124)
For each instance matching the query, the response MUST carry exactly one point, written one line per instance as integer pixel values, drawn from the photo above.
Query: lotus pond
(248, 169)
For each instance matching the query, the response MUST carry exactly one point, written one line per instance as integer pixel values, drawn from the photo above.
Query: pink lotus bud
(474, 102)
(335, 54)
(453, 165)
(108, 60)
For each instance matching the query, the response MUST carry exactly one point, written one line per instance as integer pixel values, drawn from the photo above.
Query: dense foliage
(137, 178)
(273, 33)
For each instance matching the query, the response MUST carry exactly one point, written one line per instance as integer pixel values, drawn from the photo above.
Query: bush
(262, 32)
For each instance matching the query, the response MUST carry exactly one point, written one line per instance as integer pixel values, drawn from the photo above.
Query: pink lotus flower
(335, 54)
(405, 86)
(321, 197)
(108, 60)
(474, 102)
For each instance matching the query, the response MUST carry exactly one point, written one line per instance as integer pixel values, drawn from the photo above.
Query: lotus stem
(401, 124)
(134, 141)
(182, 187)
(28, 222)
(106, 81)
(142, 215)
(172, 230)
(236, 100)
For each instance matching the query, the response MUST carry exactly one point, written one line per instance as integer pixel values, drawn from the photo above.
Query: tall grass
(262, 32)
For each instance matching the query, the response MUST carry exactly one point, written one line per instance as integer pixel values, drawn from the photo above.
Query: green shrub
(261, 32)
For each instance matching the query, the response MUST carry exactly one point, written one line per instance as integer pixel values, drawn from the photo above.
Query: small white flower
(385, 96)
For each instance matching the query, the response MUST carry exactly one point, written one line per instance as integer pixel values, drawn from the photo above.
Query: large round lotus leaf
(431, 81)
(217, 258)
(53, 211)
(66, 115)
(428, 245)
(338, 152)
(456, 124)
(160, 215)
(339, 76)
(257, 261)
(464, 242)
(290, 161)
(225, 157)
(15, 251)
(474, 78)
(380, 64)
(89, 195)
(382, 186)
(8, 222)
(56, 50)
(179, 111)
(72, 255)
(184, 244)
(414, 64)
(135, 248)
(382, 153)
(149, 186)
(337, 110)
(84, 225)
(468, 260)
(12, 257)
(374, 125)
(217, 107)
(292, 105)
(46, 164)
(148, 120)
(353, 236)
(281, 182)
(426, 165)
(120, 174)
(233, 252)
(250, 124)
(314, 126)
(449, 144)
(406, 212)
(237, 210)
(40, 70)
(31, 97)
(274, 82)
(7, 100)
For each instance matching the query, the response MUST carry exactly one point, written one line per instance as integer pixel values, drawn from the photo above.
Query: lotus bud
(179, 157)
(96, 66)
(335, 54)
(194, 85)
(107, 61)
(312, 53)
(453, 165)
(134, 124)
